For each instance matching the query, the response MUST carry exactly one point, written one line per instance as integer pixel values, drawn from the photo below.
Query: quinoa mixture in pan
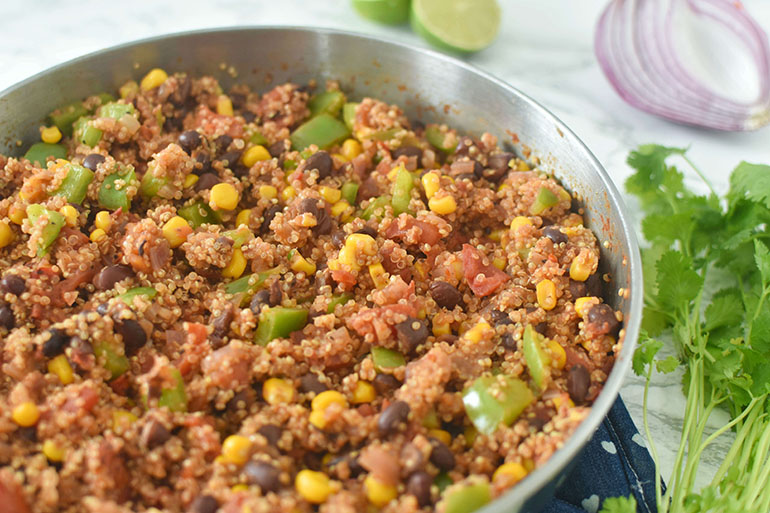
(227, 301)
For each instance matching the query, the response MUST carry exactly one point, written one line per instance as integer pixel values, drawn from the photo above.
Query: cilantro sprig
(707, 282)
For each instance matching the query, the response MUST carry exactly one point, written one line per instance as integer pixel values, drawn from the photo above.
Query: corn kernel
(254, 155)
(26, 414)
(330, 194)
(129, 88)
(277, 391)
(377, 492)
(355, 244)
(564, 195)
(441, 328)
(50, 135)
(224, 105)
(476, 333)
(176, 230)
(17, 215)
(308, 220)
(378, 274)
(503, 186)
(519, 221)
(243, 217)
(154, 78)
(581, 266)
(268, 192)
(583, 303)
(559, 400)
(288, 194)
(496, 235)
(340, 157)
(470, 435)
(510, 472)
(522, 166)
(340, 207)
(61, 367)
(97, 235)
(363, 393)
(558, 355)
(236, 449)
(301, 265)
(420, 269)
(326, 399)
(122, 420)
(70, 214)
(52, 451)
(441, 435)
(500, 262)
(393, 173)
(6, 234)
(190, 180)
(430, 182)
(103, 220)
(223, 197)
(351, 149)
(240, 487)
(236, 266)
(546, 294)
(314, 487)
(443, 206)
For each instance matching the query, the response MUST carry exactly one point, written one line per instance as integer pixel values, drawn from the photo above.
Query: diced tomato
(482, 279)
(11, 498)
(213, 123)
(345, 278)
(412, 231)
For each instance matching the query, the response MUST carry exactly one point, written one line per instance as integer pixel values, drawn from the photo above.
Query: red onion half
(668, 57)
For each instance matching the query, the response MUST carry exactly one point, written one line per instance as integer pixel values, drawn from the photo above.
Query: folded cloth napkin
(615, 462)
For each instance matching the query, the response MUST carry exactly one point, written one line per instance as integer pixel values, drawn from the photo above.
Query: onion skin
(635, 49)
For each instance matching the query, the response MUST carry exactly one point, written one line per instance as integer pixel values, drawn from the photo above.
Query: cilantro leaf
(726, 309)
(649, 161)
(645, 354)
(619, 505)
(678, 283)
(667, 365)
(752, 182)
(762, 259)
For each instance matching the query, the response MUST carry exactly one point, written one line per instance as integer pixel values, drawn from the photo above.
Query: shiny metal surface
(430, 87)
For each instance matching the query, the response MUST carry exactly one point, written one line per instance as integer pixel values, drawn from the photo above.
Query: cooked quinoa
(285, 301)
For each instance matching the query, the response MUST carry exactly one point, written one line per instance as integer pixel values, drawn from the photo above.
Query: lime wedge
(457, 25)
(391, 12)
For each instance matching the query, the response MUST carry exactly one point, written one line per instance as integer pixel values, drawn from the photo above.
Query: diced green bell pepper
(437, 138)
(442, 481)
(198, 213)
(244, 285)
(492, 400)
(545, 199)
(323, 131)
(338, 300)
(115, 110)
(239, 236)
(151, 184)
(75, 185)
(128, 296)
(279, 322)
(384, 358)
(384, 135)
(537, 360)
(87, 134)
(105, 98)
(289, 165)
(113, 194)
(39, 153)
(330, 102)
(349, 114)
(52, 228)
(467, 498)
(66, 116)
(402, 191)
(374, 205)
(257, 138)
(114, 362)
(349, 192)
(175, 399)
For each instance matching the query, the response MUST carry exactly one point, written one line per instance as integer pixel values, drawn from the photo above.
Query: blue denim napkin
(615, 462)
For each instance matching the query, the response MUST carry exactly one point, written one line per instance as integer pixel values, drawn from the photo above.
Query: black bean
(221, 323)
(603, 317)
(110, 275)
(102, 309)
(134, 337)
(577, 288)
(154, 434)
(238, 100)
(276, 293)
(541, 327)
(323, 219)
(368, 230)
(249, 116)
(393, 417)
(466, 176)
(278, 148)
(271, 432)
(182, 92)
(500, 318)
(338, 238)
(310, 383)
(411, 333)
(7, 320)
(173, 124)
(313, 460)
(27, 433)
(463, 146)
(204, 504)
(478, 169)
(407, 151)
(260, 299)
(419, 484)
(222, 142)
(93, 160)
(203, 163)
(594, 285)
(56, 343)
(322, 162)
(508, 342)
(241, 400)
(556, 235)
(189, 140)
(445, 294)
(206, 181)
(269, 215)
(500, 162)
(441, 455)
(578, 381)
(385, 383)
(12, 284)
(231, 158)
(264, 475)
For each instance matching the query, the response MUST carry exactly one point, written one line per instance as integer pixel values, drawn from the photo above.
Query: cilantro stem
(653, 449)
(700, 174)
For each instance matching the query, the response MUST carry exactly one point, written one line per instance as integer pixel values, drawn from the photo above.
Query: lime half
(391, 12)
(457, 25)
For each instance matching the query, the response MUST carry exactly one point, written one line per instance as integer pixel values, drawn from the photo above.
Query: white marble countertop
(548, 56)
